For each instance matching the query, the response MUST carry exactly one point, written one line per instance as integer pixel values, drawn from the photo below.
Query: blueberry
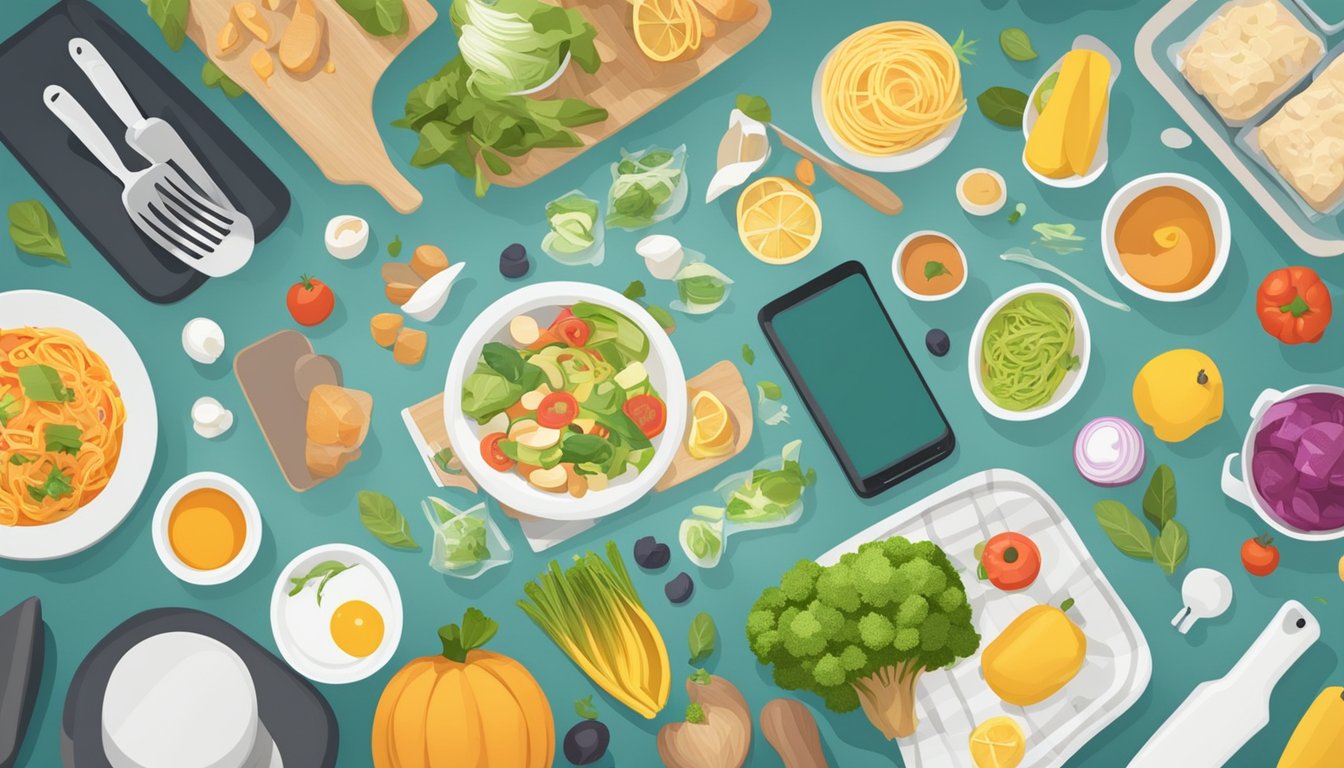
(680, 588)
(937, 342)
(513, 261)
(586, 742)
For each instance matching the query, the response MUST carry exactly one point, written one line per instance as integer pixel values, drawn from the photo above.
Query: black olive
(513, 261)
(658, 557)
(938, 342)
(644, 548)
(680, 588)
(586, 742)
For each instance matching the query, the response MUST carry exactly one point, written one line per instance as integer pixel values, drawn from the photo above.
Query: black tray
(37, 56)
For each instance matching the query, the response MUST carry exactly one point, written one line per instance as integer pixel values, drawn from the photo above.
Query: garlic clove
(425, 304)
(346, 236)
(203, 340)
(743, 149)
(663, 255)
(209, 418)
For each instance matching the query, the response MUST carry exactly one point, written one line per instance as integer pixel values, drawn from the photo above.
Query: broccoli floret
(864, 629)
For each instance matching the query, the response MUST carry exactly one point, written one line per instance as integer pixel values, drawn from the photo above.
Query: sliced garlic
(663, 255)
(743, 149)
(428, 299)
(203, 340)
(210, 419)
(347, 236)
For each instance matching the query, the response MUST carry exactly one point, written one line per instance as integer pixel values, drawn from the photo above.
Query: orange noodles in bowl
(61, 418)
(891, 88)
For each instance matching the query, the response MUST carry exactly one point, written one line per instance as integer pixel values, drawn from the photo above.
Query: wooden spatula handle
(862, 186)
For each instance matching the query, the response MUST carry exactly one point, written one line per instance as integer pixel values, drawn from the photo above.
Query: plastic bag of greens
(466, 543)
(647, 187)
(701, 288)
(577, 235)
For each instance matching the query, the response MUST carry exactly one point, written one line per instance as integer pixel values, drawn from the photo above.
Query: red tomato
(1259, 555)
(1011, 561)
(310, 301)
(564, 315)
(648, 413)
(1294, 305)
(573, 331)
(492, 454)
(557, 410)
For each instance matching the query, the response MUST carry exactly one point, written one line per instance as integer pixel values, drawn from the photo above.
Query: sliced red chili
(557, 410)
(493, 456)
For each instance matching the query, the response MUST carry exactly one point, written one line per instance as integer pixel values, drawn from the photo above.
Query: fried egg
(346, 625)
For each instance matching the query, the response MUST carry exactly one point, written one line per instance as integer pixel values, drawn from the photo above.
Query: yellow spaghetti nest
(891, 88)
(61, 419)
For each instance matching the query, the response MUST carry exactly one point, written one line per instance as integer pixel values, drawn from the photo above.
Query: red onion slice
(1109, 451)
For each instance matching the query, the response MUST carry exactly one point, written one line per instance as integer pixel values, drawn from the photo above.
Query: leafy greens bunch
(859, 633)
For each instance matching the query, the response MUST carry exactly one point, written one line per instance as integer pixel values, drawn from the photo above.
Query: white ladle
(1206, 593)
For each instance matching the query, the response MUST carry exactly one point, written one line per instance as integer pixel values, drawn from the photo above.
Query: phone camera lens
(1301, 623)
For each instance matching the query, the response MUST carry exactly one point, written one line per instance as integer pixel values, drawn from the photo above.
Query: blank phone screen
(859, 375)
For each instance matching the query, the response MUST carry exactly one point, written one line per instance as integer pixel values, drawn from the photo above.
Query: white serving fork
(211, 239)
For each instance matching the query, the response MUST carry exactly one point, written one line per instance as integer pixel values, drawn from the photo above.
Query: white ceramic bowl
(544, 300)
(1213, 206)
(288, 644)
(900, 279)
(251, 519)
(1031, 115)
(893, 163)
(1073, 380)
(1242, 489)
(139, 437)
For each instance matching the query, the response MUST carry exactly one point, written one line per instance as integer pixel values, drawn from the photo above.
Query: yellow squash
(1035, 656)
(1318, 740)
(1064, 141)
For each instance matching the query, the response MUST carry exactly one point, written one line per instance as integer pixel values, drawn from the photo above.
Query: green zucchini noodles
(1027, 351)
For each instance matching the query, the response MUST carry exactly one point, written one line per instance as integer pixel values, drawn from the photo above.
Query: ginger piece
(252, 20)
(385, 326)
(229, 38)
(263, 65)
(428, 261)
(410, 346)
(338, 416)
(400, 293)
(301, 43)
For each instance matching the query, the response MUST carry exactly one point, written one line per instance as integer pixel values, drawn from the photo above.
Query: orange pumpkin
(464, 708)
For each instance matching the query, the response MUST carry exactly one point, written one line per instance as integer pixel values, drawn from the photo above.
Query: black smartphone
(842, 352)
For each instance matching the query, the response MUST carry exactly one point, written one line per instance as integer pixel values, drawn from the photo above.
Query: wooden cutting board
(329, 115)
(628, 84)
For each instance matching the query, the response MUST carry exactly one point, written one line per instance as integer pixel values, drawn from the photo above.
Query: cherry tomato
(564, 315)
(492, 454)
(648, 413)
(1010, 561)
(310, 301)
(573, 331)
(557, 410)
(1259, 555)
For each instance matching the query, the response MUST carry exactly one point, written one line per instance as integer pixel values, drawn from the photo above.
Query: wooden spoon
(863, 186)
(792, 731)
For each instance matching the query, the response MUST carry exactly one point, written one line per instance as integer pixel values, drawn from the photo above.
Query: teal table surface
(86, 595)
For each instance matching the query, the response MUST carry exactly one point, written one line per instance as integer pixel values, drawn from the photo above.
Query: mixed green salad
(569, 405)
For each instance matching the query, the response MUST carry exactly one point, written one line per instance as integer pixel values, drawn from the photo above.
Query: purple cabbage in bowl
(1298, 463)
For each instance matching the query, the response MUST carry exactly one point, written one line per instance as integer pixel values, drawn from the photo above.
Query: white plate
(139, 437)
(951, 702)
(1031, 115)
(251, 539)
(1213, 206)
(509, 488)
(289, 646)
(900, 161)
(1073, 380)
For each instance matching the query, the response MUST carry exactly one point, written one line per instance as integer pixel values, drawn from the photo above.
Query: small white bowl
(1073, 380)
(1213, 206)
(900, 280)
(251, 519)
(1031, 115)
(987, 209)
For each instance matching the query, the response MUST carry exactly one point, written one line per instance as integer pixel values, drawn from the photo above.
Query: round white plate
(139, 438)
(288, 645)
(544, 300)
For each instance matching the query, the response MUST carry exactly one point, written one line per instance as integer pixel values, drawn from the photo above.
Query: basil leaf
(382, 518)
(635, 290)
(748, 355)
(379, 18)
(33, 231)
(18, 460)
(394, 247)
(213, 77)
(1159, 501)
(1003, 105)
(662, 317)
(503, 360)
(1016, 45)
(584, 708)
(57, 486)
(171, 18)
(63, 438)
(702, 638)
(1126, 532)
(43, 384)
(933, 269)
(754, 107)
(700, 677)
(9, 408)
(1173, 544)
(770, 390)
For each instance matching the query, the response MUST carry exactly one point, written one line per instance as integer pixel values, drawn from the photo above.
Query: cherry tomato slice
(492, 454)
(557, 410)
(564, 315)
(573, 331)
(648, 412)
(1011, 561)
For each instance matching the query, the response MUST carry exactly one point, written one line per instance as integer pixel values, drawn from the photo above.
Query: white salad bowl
(1030, 115)
(1073, 380)
(1213, 207)
(1242, 489)
(543, 301)
(251, 520)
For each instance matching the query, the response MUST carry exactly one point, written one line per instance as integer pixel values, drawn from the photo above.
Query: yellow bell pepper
(1034, 656)
(1318, 740)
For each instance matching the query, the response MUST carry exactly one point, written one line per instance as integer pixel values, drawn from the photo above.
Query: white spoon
(1206, 593)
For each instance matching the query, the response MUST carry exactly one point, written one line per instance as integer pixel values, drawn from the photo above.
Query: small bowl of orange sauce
(1166, 236)
(207, 528)
(929, 266)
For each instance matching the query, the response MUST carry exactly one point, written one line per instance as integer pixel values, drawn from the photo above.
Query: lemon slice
(778, 221)
(711, 428)
(667, 30)
(998, 743)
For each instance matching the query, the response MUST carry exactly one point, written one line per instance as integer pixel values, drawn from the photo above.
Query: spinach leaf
(702, 638)
(584, 708)
(43, 384)
(33, 231)
(486, 393)
(378, 17)
(171, 18)
(1126, 531)
(9, 408)
(503, 359)
(1016, 44)
(634, 291)
(1173, 544)
(58, 485)
(63, 438)
(585, 449)
(213, 77)
(754, 107)
(382, 518)
(1159, 501)
(1003, 105)
(748, 356)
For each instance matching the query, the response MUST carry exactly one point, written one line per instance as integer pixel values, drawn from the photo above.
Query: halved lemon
(778, 221)
(998, 743)
(667, 30)
(711, 427)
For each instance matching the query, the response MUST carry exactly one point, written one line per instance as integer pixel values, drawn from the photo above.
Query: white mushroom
(663, 255)
(347, 236)
(210, 419)
(203, 340)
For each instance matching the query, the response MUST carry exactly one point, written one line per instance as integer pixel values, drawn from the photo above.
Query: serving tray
(951, 702)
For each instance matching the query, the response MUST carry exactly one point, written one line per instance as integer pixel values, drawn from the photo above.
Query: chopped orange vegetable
(385, 327)
(400, 293)
(428, 261)
(262, 64)
(248, 15)
(410, 346)
(806, 172)
(229, 39)
(301, 44)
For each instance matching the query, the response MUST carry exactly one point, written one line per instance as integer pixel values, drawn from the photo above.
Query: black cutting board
(38, 56)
